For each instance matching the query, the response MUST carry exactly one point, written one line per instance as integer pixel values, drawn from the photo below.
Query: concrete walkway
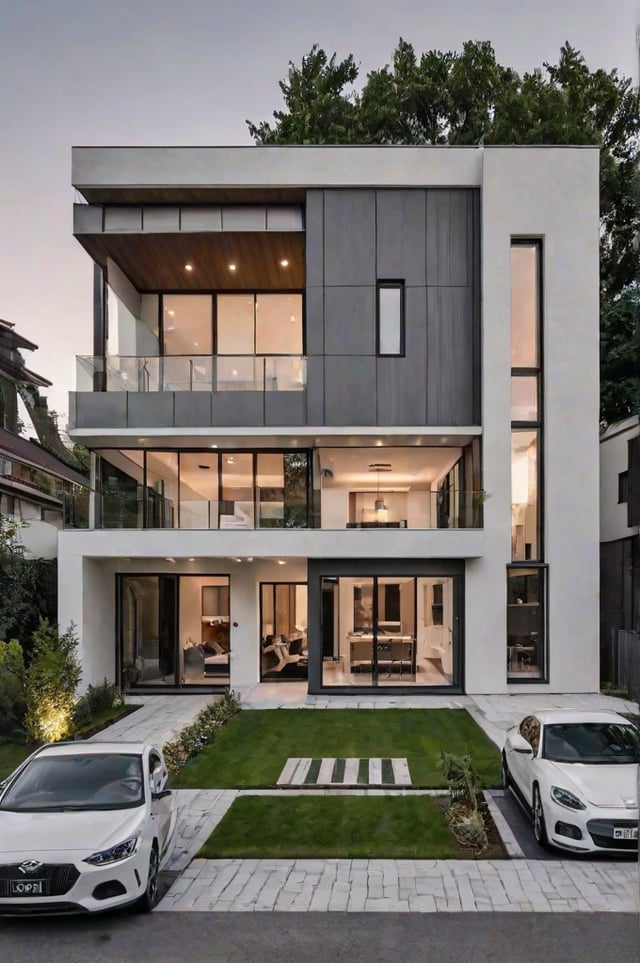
(426, 886)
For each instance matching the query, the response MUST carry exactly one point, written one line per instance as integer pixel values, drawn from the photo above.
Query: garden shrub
(201, 732)
(464, 816)
(97, 698)
(12, 702)
(51, 684)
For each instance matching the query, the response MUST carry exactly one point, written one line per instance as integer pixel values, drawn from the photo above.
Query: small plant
(97, 698)
(464, 815)
(201, 732)
(51, 683)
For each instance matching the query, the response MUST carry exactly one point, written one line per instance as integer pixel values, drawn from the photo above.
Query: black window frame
(542, 569)
(623, 487)
(398, 285)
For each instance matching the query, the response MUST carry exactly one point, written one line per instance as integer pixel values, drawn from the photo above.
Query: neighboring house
(619, 539)
(343, 410)
(37, 483)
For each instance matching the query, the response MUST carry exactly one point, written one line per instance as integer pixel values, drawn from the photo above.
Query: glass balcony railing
(192, 373)
(128, 509)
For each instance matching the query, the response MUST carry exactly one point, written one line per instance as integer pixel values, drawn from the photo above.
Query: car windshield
(62, 783)
(591, 742)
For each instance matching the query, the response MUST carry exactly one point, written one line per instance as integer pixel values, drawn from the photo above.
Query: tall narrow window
(526, 575)
(390, 335)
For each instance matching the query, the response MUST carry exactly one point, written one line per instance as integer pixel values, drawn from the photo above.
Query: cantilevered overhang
(278, 175)
(154, 262)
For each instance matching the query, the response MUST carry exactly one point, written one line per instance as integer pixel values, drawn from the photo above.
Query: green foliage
(201, 732)
(459, 771)
(28, 587)
(12, 703)
(51, 684)
(620, 357)
(468, 98)
(97, 699)
(464, 815)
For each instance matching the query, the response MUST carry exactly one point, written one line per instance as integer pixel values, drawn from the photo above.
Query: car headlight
(115, 853)
(566, 798)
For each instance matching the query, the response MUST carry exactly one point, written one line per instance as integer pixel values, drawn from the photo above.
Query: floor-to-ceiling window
(389, 630)
(526, 575)
(284, 652)
(174, 630)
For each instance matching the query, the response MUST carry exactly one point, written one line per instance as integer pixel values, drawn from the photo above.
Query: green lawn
(252, 748)
(347, 827)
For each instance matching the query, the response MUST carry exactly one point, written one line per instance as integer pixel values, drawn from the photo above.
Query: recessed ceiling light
(234, 373)
(188, 267)
(195, 344)
(232, 267)
(284, 262)
(172, 313)
(214, 446)
(280, 562)
(229, 461)
(191, 560)
(170, 560)
(250, 559)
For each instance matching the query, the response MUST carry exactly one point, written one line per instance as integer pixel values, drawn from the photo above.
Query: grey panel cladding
(192, 409)
(402, 382)
(400, 236)
(284, 408)
(449, 232)
(430, 239)
(101, 409)
(350, 390)
(314, 320)
(450, 369)
(237, 408)
(349, 237)
(350, 320)
(150, 409)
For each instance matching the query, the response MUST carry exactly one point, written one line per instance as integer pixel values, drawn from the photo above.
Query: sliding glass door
(174, 630)
(389, 630)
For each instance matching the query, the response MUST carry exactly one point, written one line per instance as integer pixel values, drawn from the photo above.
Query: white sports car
(85, 827)
(577, 775)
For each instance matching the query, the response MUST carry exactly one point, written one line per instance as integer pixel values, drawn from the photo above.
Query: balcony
(256, 373)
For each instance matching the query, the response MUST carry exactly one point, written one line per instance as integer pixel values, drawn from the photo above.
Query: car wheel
(151, 894)
(506, 775)
(537, 815)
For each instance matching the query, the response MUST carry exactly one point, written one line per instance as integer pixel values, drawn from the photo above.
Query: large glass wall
(283, 631)
(388, 631)
(174, 630)
(202, 489)
(526, 575)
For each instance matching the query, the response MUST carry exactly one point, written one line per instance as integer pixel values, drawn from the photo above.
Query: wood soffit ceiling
(156, 262)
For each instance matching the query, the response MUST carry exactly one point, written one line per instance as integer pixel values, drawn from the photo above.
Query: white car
(577, 775)
(85, 827)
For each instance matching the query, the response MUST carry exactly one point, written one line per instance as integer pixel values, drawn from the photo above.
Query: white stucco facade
(537, 193)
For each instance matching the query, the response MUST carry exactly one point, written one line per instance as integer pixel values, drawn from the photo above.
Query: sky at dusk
(187, 72)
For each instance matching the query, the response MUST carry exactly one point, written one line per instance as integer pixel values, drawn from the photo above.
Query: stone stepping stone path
(345, 772)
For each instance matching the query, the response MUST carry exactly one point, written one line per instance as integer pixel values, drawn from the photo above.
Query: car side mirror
(519, 744)
(161, 794)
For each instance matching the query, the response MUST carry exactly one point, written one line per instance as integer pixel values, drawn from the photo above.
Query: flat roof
(203, 174)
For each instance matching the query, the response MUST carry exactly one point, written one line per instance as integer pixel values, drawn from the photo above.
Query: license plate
(626, 833)
(28, 887)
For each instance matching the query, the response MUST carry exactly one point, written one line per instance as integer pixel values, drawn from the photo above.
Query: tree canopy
(469, 98)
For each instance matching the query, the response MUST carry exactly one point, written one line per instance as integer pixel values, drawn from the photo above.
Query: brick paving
(376, 885)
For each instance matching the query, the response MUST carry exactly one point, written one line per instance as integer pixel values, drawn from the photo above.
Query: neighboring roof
(33, 454)
(11, 362)
(628, 425)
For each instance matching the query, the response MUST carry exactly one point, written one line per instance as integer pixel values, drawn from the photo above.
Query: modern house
(343, 415)
(619, 543)
(38, 482)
